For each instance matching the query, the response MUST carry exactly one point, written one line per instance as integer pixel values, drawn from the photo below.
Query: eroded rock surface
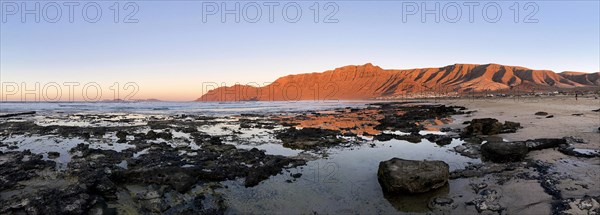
(410, 176)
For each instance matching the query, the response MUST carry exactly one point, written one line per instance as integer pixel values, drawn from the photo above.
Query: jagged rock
(501, 152)
(544, 143)
(440, 140)
(308, 138)
(484, 126)
(489, 126)
(510, 127)
(409, 176)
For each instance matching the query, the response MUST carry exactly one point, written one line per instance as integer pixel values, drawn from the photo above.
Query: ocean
(170, 108)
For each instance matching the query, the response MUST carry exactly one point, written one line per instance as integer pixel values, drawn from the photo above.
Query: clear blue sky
(171, 51)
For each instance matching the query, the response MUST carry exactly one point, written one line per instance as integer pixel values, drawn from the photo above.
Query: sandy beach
(565, 110)
(579, 176)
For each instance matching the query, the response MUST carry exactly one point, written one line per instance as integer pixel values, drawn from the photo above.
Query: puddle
(51, 143)
(345, 181)
(342, 179)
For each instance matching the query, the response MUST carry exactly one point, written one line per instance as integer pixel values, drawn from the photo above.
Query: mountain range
(370, 82)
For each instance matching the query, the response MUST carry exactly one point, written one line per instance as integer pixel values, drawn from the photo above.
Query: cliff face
(369, 81)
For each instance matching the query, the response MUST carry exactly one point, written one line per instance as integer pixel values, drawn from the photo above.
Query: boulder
(510, 127)
(489, 126)
(541, 113)
(484, 126)
(501, 152)
(410, 176)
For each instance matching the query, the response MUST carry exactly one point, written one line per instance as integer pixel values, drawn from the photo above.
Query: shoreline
(266, 153)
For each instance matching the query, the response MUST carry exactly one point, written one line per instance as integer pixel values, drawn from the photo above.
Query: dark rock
(468, 150)
(17, 114)
(245, 125)
(479, 186)
(384, 137)
(72, 200)
(541, 113)
(484, 126)
(151, 135)
(487, 201)
(479, 170)
(20, 166)
(440, 140)
(550, 116)
(445, 129)
(52, 155)
(584, 153)
(544, 143)
(409, 176)
(412, 138)
(122, 135)
(442, 204)
(308, 138)
(510, 127)
(444, 141)
(573, 140)
(504, 151)
(268, 169)
(167, 135)
(410, 117)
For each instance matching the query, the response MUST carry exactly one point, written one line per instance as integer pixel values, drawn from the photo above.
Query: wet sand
(579, 177)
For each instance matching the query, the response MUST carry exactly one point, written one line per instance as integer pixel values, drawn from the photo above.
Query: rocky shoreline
(150, 164)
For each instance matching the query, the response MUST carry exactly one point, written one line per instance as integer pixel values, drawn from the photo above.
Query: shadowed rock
(489, 126)
(410, 176)
(501, 152)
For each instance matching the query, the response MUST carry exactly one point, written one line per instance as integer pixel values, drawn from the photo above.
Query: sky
(169, 50)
